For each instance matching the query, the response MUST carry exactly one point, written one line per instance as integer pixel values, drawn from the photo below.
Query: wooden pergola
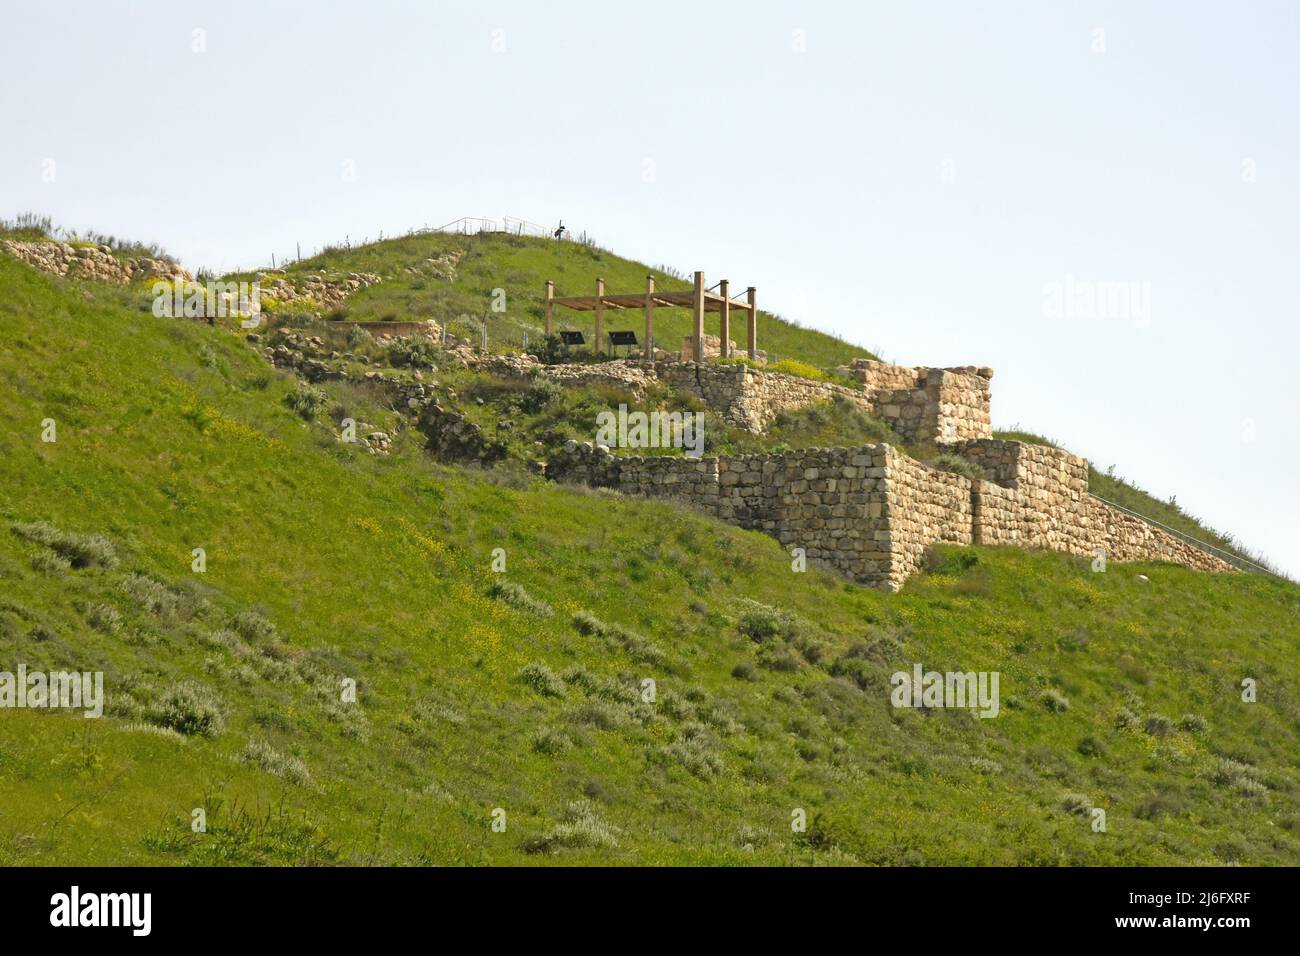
(698, 299)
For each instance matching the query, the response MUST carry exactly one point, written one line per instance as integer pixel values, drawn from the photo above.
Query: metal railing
(472, 225)
(1237, 561)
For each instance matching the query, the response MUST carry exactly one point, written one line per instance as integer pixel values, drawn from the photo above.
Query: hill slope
(326, 565)
(417, 270)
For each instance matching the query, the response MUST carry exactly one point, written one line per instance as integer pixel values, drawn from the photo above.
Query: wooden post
(752, 295)
(699, 317)
(649, 317)
(725, 317)
(600, 315)
(550, 294)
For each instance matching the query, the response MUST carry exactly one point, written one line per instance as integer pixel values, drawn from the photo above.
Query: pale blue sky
(912, 180)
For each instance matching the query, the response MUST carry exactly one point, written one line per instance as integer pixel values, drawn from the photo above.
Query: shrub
(761, 623)
(540, 393)
(743, 671)
(1076, 803)
(416, 351)
(543, 680)
(694, 751)
(1127, 719)
(957, 465)
(79, 550)
(1055, 701)
(1193, 723)
(190, 709)
(638, 648)
(518, 597)
(306, 400)
(1158, 725)
(153, 596)
(1234, 775)
(253, 626)
(1091, 747)
(285, 766)
(580, 827)
(47, 562)
(550, 742)
(103, 617)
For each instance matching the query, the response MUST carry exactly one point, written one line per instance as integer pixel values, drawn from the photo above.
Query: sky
(1101, 201)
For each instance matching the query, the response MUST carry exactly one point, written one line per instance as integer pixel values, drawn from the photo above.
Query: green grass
(413, 290)
(326, 565)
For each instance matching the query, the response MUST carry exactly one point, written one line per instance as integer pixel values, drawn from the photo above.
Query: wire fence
(1236, 560)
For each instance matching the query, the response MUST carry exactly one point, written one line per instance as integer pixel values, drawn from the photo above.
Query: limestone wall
(92, 262)
(869, 513)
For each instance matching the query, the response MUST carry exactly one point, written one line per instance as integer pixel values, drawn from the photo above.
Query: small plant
(693, 750)
(1055, 701)
(1158, 725)
(1076, 803)
(253, 626)
(581, 827)
(540, 393)
(285, 766)
(104, 618)
(638, 647)
(1127, 719)
(416, 351)
(761, 623)
(47, 562)
(550, 742)
(1193, 723)
(1234, 775)
(957, 465)
(79, 550)
(518, 597)
(1091, 747)
(190, 709)
(543, 680)
(306, 400)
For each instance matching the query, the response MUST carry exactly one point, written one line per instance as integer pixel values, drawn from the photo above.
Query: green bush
(1055, 701)
(285, 766)
(416, 351)
(957, 465)
(79, 550)
(190, 709)
(306, 400)
(508, 592)
(543, 680)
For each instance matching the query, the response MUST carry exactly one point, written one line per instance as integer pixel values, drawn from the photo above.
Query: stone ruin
(869, 513)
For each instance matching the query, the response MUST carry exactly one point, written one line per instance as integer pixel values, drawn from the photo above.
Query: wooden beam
(649, 316)
(725, 311)
(550, 303)
(751, 294)
(699, 317)
(600, 315)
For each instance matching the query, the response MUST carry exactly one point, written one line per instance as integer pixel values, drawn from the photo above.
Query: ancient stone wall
(869, 513)
(92, 262)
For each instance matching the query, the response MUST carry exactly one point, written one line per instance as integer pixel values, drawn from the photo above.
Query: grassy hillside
(523, 691)
(416, 271)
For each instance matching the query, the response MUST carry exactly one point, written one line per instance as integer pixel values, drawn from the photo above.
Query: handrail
(1250, 567)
